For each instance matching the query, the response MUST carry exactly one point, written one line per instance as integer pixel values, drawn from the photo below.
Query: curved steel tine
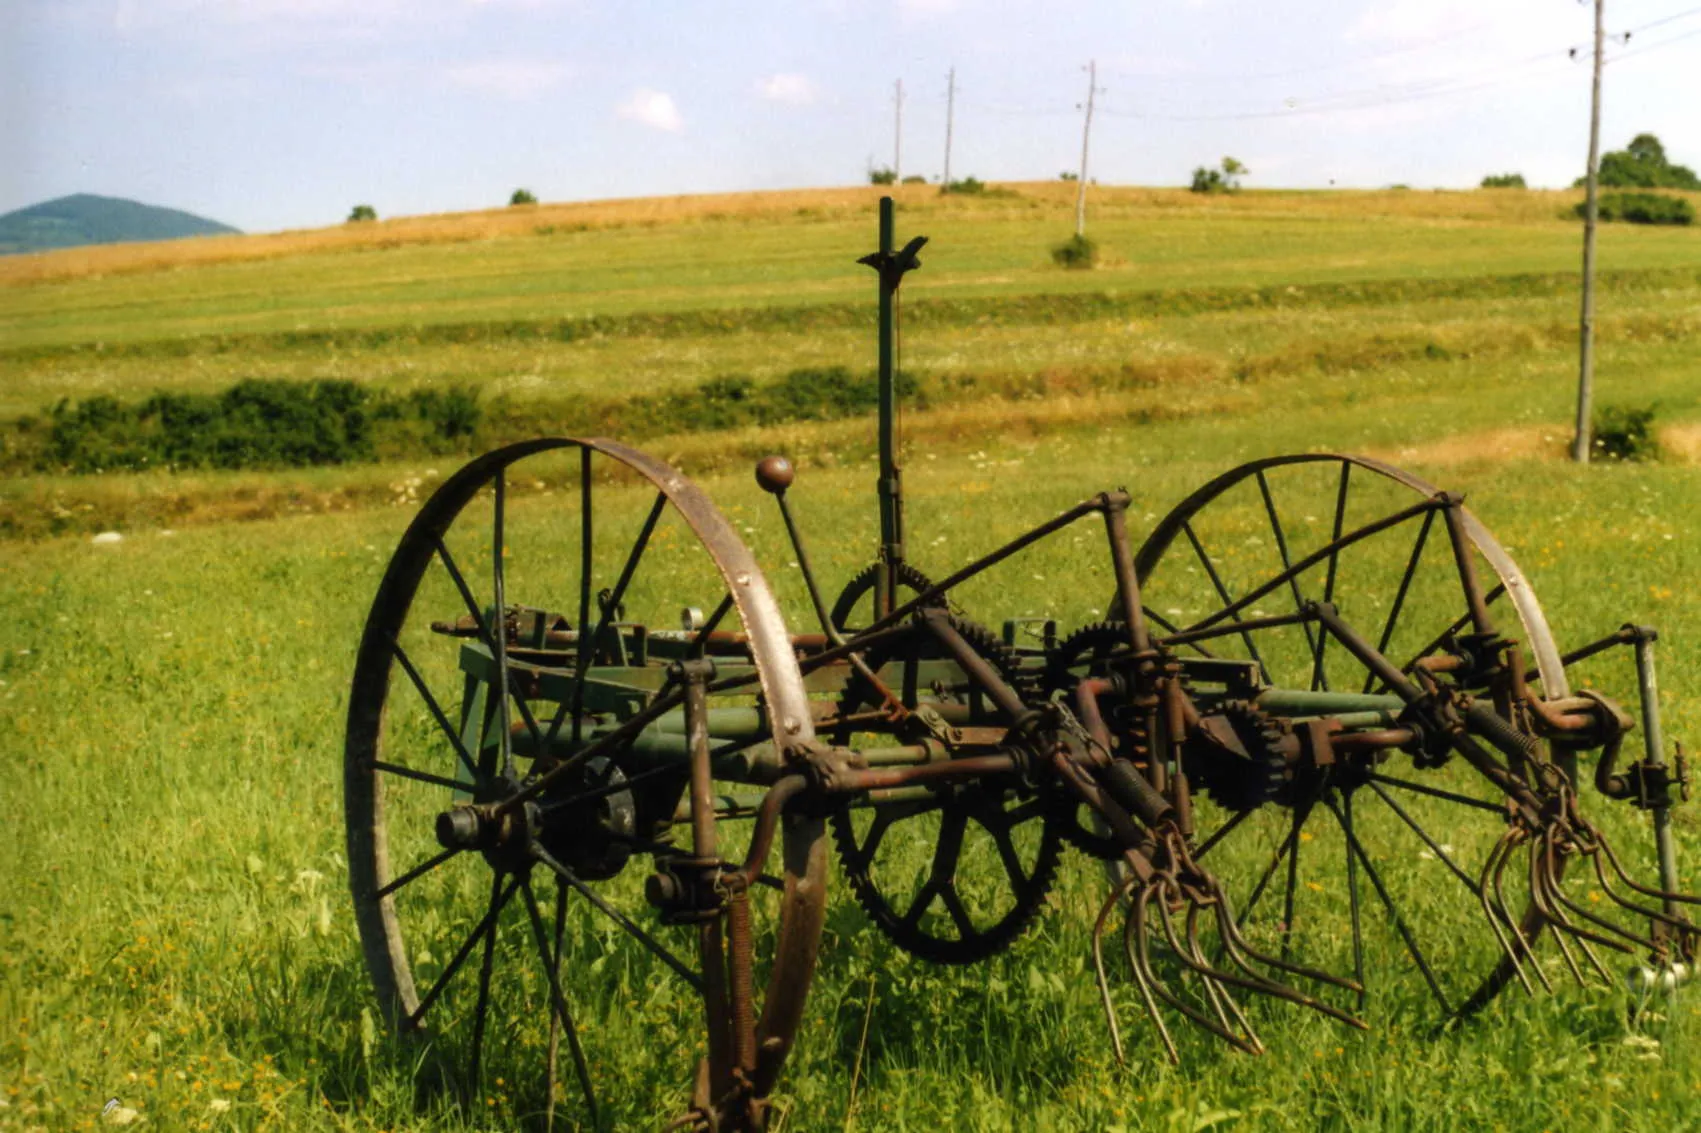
(1143, 976)
(1135, 940)
(1494, 910)
(1214, 987)
(1560, 901)
(1192, 958)
(1646, 890)
(1605, 848)
(1628, 905)
(1237, 940)
(1561, 925)
(1117, 896)
(1258, 982)
(1213, 990)
(1511, 921)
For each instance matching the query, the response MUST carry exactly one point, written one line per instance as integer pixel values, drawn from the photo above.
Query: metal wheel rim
(803, 845)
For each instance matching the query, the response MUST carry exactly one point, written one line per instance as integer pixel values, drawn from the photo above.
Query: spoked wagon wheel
(1372, 866)
(498, 844)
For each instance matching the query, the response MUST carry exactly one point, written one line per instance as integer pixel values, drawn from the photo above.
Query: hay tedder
(1315, 727)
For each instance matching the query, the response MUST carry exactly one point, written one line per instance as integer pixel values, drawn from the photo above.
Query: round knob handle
(775, 474)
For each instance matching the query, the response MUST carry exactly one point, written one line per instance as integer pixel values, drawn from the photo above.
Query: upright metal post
(1653, 745)
(1582, 440)
(890, 266)
(891, 485)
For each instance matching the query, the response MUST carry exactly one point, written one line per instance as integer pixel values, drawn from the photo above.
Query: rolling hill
(84, 218)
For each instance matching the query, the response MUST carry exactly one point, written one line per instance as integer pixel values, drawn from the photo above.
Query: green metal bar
(1296, 702)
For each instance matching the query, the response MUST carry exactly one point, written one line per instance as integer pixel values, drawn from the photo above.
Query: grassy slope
(176, 927)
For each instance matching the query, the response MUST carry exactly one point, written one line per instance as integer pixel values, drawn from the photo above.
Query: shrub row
(253, 424)
(1642, 208)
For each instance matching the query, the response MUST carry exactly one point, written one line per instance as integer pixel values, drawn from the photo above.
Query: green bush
(257, 424)
(968, 186)
(522, 197)
(915, 179)
(1642, 208)
(1625, 432)
(882, 177)
(1504, 181)
(1077, 252)
(362, 213)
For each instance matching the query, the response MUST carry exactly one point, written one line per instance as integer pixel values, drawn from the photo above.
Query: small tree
(1225, 179)
(522, 197)
(1643, 165)
(362, 213)
(1504, 181)
(882, 177)
(1068, 175)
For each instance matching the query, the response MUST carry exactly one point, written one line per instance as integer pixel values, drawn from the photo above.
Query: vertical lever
(891, 267)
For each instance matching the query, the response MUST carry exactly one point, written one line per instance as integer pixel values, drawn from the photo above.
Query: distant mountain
(84, 218)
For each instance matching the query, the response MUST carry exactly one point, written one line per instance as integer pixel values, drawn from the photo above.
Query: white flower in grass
(219, 1105)
(1429, 856)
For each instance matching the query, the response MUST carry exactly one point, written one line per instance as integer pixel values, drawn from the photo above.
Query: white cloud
(791, 89)
(509, 78)
(652, 108)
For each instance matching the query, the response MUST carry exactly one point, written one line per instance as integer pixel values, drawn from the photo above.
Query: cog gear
(997, 807)
(1240, 757)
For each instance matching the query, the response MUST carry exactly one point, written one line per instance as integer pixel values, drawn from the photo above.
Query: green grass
(175, 924)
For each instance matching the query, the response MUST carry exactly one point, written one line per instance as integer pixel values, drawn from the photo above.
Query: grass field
(174, 928)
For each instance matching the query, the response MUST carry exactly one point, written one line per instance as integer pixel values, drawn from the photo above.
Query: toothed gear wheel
(862, 586)
(1010, 814)
(1243, 782)
(1096, 645)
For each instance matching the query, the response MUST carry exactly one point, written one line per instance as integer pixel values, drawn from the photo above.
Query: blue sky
(271, 114)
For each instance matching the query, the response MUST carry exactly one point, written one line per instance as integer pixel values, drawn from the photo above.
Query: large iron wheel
(495, 871)
(1397, 853)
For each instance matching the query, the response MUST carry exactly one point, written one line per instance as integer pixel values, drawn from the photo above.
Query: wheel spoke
(1435, 792)
(555, 1016)
(482, 1011)
(1400, 925)
(560, 1013)
(1282, 550)
(435, 708)
(418, 871)
(1223, 593)
(498, 649)
(1434, 846)
(1352, 897)
(1007, 852)
(497, 635)
(1269, 872)
(586, 533)
(484, 925)
(632, 929)
(421, 776)
(1400, 594)
(611, 607)
(954, 905)
(1319, 677)
(1300, 815)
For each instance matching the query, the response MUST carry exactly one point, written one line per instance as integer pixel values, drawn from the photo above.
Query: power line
(1622, 56)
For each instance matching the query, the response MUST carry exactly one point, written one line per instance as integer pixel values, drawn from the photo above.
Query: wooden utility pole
(950, 109)
(898, 132)
(1086, 133)
(1586, 329)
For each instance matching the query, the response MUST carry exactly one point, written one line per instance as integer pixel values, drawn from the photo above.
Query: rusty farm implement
(1316, 725)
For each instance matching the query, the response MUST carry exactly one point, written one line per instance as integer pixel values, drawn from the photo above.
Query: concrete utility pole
(1086, 133)
(898, 133)
(1586, 329)
(950, 109)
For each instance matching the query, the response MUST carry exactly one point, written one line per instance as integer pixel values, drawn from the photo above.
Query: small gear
(997, 808)
(1240, 757)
